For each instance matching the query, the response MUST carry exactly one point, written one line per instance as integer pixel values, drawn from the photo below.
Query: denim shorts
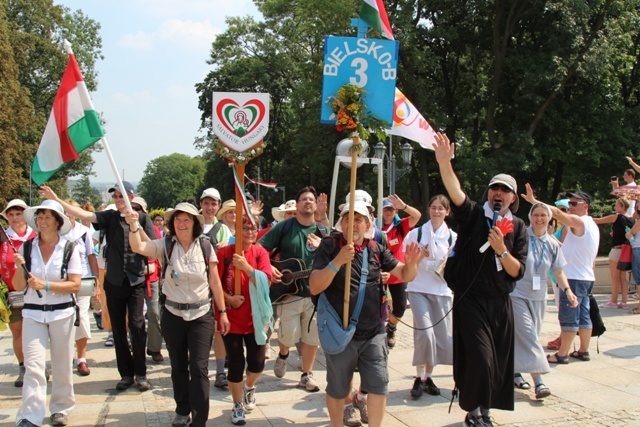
(635, 264)
(573, 319)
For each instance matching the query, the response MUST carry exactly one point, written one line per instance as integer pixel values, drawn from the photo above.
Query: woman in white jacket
(431, 299)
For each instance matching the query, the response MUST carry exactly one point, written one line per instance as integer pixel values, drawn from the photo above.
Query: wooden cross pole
(239, 214)
(352, 198)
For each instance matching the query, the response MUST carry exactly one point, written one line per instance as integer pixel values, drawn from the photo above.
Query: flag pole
(105, 144)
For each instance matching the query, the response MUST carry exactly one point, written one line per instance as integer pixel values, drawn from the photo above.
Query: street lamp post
(393, 171)
(284, 197)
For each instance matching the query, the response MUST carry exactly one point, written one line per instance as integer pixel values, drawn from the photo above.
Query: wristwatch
(503, 254)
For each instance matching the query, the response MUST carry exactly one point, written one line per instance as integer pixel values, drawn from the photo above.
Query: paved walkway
(603, 392)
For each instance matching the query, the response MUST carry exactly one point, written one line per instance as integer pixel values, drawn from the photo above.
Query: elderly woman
(18, 233)
(81, 235)
(48, 314)
(431, 299)
(187, 319)
(529, 300)
(255, 270)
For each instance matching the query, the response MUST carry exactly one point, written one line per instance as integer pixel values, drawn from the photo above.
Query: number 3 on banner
(361, 76)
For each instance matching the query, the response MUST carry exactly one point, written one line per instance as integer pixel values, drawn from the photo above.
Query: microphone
(496, 213)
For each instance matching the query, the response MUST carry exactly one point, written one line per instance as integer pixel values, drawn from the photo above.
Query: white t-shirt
(85, 246)
(580, 251)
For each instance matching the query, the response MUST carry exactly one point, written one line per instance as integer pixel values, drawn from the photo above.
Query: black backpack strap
(322, 230)
(213, 235)
(420, 236)
(69, 246)
(207, 248)
(26, 251)
(168, 249)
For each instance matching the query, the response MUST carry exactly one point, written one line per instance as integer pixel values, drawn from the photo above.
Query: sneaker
(109, 341)
(249, 398)
(474, 421)
(267, 351)
(83, 369)
(431, 388)
(308, 382)
(156, 356)
(417, 389)
(59, 419)
(26, 423)
(124, 383)
(609, 304)
(350, 418)
(280, 367)
(486, 419)
(237, 415)
(391, 336)
(623, 305)
(221, 380)
(98, 318)
(143, 383)
(554, 344)
(360, 405)
(20, 380)
(181, 420)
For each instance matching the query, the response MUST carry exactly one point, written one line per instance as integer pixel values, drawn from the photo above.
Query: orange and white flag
(409, 123)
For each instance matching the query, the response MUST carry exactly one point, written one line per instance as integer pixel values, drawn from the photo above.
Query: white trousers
(36, 339)
(84, 330)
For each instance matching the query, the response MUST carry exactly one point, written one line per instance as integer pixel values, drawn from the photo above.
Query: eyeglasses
(503, 188)
(137, 208)
(307, 199)
(249, 230)
(576, 203)
(437, 208)
(117, 196)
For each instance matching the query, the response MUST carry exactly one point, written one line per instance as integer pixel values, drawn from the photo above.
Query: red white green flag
(373, 13)
(73, 126)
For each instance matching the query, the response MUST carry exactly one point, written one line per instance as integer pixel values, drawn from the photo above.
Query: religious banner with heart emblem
(240, 122)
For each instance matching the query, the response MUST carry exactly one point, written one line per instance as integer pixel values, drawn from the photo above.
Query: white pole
(334, 185)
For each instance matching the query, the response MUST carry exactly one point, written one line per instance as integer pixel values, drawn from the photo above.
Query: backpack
(212, 235)
(69, 246)
(420, 236)
(321, 232)
(205, 246)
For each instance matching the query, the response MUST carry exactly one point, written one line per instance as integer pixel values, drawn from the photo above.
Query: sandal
(542, 391)
(584, 356)
(521, 383)
(635, 310)
(559, 359)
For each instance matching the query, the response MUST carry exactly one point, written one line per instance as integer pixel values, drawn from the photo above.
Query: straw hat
(140, 201)
(184, 207)
(358, 207)
(55, 208)
(15, 203)
(278, 213)
(226, 207)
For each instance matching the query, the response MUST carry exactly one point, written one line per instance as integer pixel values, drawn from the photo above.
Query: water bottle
(626, 230)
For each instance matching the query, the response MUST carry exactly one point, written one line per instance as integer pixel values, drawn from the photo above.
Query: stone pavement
(602, 392)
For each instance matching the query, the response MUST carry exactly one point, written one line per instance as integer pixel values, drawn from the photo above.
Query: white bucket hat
(55, 208)
(15, 203)
(360, 196)
(278, 213)
(358, 207)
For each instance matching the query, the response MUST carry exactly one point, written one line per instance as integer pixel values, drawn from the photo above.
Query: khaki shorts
(614, 254)
(295, 322)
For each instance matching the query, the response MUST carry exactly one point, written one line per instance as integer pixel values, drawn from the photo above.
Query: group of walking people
(478, 295)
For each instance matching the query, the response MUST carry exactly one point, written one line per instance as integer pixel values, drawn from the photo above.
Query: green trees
(170, 179)
(32, 63)
(548, 91)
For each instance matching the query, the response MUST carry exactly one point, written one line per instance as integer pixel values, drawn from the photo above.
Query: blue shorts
(635, 264)
(573, 319)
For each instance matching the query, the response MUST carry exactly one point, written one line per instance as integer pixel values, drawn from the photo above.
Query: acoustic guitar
(293, 270)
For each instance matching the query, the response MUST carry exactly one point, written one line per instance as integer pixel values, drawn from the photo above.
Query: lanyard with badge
(537, 262)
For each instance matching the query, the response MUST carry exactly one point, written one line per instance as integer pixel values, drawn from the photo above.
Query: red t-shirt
(395, 242)
(240, 318)
(7, 266)
(155, 276)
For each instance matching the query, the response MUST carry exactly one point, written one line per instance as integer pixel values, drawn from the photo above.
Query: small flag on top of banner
(373, 13)
(73, 125)
(409, 123)
(263, 183)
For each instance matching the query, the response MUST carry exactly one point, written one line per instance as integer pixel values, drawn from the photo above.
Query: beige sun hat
(15, 203)
(140, 201)
(184, 207)
(226, 207)
(55, 208)
(278, 213)
(358, 207)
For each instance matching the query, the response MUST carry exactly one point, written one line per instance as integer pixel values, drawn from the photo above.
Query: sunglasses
(576, 203)
(137, 208)
(562, 209)
(501, 187)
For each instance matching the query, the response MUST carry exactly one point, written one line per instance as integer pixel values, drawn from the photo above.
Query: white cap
(211, 192)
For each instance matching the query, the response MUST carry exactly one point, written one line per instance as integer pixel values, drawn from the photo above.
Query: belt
(49, 307)
(187, 306)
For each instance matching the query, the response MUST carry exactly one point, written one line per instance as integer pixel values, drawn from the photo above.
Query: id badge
(536, 283)
(498, 264)
(393, 242)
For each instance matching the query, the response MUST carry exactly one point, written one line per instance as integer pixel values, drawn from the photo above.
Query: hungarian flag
(373, 13)
(409, 123)
(73, 126)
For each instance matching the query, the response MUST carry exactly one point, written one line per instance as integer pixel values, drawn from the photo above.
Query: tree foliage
(548, 91)
(83, 192)
(167, 180)
(33, 60)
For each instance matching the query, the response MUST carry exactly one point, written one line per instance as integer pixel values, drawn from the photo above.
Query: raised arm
(444, 153)
(569, 220)
(633, 164)
(76, 211)
(414, 214)
(609, 219)
(137, 238)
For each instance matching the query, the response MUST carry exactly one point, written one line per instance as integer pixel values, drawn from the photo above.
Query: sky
(155, 51)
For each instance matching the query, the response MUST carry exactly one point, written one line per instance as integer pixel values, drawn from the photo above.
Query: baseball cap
(581, 195)
(127, 187)
(509, 181)
(386, 203)
(562, 203)
(212, 193)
